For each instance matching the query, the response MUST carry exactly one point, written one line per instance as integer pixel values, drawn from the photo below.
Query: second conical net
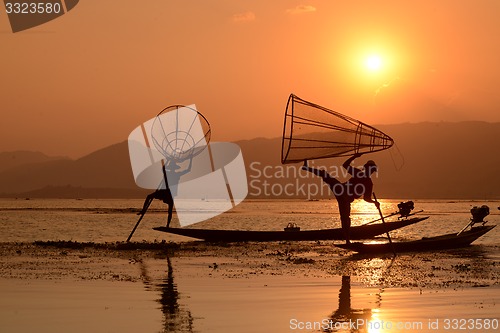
(314, 132)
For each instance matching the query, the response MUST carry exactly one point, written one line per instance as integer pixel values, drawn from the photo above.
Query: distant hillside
(72, 192)
(430, 160)
(107, 168)
(441, 160)
(14, 159)
(444, 160)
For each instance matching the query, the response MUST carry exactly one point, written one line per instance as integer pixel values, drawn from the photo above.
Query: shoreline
(460, 268)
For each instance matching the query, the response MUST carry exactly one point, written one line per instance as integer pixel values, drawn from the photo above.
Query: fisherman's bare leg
(170, 213)
(169, 200)
(338, 189)
(345, 218)
(147, 203)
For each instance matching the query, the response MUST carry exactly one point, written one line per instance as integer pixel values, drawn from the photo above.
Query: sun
(373, 63)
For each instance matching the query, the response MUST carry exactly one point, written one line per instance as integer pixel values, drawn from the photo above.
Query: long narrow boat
(356, 232)
(443, 242)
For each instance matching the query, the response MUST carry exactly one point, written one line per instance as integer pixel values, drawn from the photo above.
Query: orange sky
(86, 79)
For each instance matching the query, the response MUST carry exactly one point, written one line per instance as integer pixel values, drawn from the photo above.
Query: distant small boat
(290, 234)
(443, 242)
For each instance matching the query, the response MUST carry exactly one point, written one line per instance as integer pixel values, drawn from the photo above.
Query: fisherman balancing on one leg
(167, 190)
(360, 184)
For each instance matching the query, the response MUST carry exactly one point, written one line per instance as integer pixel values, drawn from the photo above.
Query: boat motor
(292, 227)
(405, 208)
(479, 213)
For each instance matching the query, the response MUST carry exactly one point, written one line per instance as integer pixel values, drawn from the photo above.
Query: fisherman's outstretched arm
(368, 196)
(347, 164)
(368, 193)
(188, 169)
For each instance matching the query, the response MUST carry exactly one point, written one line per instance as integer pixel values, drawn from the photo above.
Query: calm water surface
(112, 220)
(176, 302)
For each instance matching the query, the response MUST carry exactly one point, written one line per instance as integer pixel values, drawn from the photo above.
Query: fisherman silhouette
(360, 184)
(346, 314)
(167, 190)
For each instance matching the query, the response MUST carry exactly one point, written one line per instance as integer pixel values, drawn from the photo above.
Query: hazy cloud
(243, 17)
(301, 9)
(390, 91)
(385, 86)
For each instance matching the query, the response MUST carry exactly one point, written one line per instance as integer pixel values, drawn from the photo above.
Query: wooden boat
(290, 234)
(443, 242)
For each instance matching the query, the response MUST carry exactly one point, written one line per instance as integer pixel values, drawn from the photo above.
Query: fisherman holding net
(359, 185)
(312, 132)
(178, 133)
(167, 189)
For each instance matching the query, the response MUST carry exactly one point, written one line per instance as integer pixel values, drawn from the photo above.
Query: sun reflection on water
(375, 324)
(376, 267)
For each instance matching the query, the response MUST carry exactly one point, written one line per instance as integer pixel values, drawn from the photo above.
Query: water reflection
(176, 317)
(348, 319)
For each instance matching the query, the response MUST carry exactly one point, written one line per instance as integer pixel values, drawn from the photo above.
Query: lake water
(112, 220)
(184, 294)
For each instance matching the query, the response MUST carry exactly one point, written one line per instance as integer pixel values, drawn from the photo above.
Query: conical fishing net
(180, 132)
(314, 132)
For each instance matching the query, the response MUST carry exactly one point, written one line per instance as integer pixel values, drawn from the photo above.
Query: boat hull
(356, 233)
(443, 242)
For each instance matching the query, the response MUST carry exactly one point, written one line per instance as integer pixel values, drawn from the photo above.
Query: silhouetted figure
(161, 194)
(359, 185)
(164, 191)
(344, 310)
(346, 314)
(177, 318)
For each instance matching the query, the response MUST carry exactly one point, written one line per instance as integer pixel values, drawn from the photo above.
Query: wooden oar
(383, 222)
(140, 218)
(146, 206)
(471, 223)
(390, 215)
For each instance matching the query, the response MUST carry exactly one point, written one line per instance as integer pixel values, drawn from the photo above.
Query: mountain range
(430, 161)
